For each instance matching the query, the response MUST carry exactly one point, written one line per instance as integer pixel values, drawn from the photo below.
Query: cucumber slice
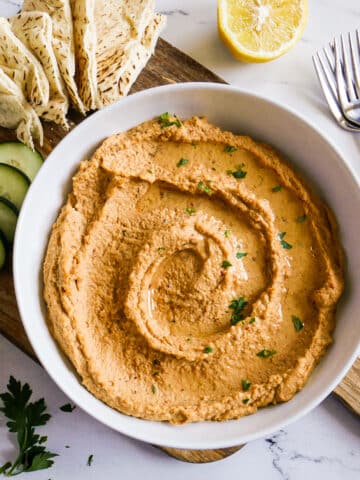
(13, 184)
(8, 219)
(22, 157)
(2, 251)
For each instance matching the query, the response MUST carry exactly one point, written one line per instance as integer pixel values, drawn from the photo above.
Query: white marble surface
(323, 445)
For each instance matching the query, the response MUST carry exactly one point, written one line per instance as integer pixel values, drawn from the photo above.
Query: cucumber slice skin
(13, 184)
(8, 219)
(21, 157)
(3, 253)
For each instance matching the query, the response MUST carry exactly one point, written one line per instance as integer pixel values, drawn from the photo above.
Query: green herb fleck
(205, 188)
(156, 362)
(245, 385)
(165, 120)
(226, 264)
(240, 254)
(246, 401)
(90, 460)
(298, 324)
(153, 389)
(161, 249)
(266, 353)
(252, 320)
(239, 173)
(190, 211)
(188, 339)
(301, 219)
(229, 149)
(277, 188)
(150, 171)
(283, 242)
(182, 162)
(237, 305)
(23, 417)
(227, 233)
(67, 407)
(208, 349)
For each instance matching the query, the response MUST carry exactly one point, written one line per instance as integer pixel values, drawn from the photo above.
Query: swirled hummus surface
(191, 274)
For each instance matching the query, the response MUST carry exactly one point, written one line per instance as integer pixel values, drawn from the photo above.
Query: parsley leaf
(283, 242)
(266, 353)
(301, 219)
(277, 188)
(205, 188)
(227, 233)
(246, 401)
(252, 320)
(67, 407)
(165, 120)
(23, 417)
(153, 389)
(245, 385)
(298, 324)
(190, 211)
(182, 162)
(208, 349)
(229, 149)
(226, 264)
(240, 255)
(239, 173)
(90, 460)
(237, 305)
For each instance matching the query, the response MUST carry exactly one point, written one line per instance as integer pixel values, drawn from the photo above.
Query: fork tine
(328, 93)
(330, 59)
(328, 72)
(347, 69)
(355, 59)
(341, 88)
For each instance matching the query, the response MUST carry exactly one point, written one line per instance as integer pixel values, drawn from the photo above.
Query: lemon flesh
(261, 30)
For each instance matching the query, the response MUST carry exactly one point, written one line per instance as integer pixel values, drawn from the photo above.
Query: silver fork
(325, 67)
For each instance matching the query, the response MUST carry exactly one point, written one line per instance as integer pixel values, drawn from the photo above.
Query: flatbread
(118, 71)
(16, 112)
(63, 41)
(85, 51)
(22, 67)
(34, 29)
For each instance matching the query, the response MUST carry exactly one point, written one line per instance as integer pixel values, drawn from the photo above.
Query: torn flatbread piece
(34, 29)
(22, 67)
(85, 51)
(63, 42)
(16, 113)
(118, 72)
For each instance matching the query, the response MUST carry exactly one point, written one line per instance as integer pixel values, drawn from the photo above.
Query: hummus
(191, 274)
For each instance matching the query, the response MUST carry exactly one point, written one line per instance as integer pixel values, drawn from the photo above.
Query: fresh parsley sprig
(23, 417)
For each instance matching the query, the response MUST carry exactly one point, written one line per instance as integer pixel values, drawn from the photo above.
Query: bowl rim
(205, 444)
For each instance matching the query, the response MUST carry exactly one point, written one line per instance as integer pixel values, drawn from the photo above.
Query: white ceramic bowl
(241, 112)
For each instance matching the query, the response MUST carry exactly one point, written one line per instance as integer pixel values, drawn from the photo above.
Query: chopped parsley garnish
(182, 162)
(239, 173)
(240, 254)
(190, 211)
(298, 324)
(208, 349)
(266, 353)
(227, 233)
(226, 264)
(237, 306)
(153, 389)
(161, 249)
(204, 188)
(156, 362)
(23, 417)
(277, 188)
(229, 149)
(301, 219)
(252, 320)
(245, 385)
(165, 120)
(67, 407)
(283, 242)
(90, 460)
(246, 401)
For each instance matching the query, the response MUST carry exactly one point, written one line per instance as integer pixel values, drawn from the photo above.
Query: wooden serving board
(168, 65)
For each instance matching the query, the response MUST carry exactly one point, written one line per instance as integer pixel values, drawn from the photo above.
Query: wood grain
(168, 65)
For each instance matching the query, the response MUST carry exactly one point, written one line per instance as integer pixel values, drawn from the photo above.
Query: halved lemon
(261, 30)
